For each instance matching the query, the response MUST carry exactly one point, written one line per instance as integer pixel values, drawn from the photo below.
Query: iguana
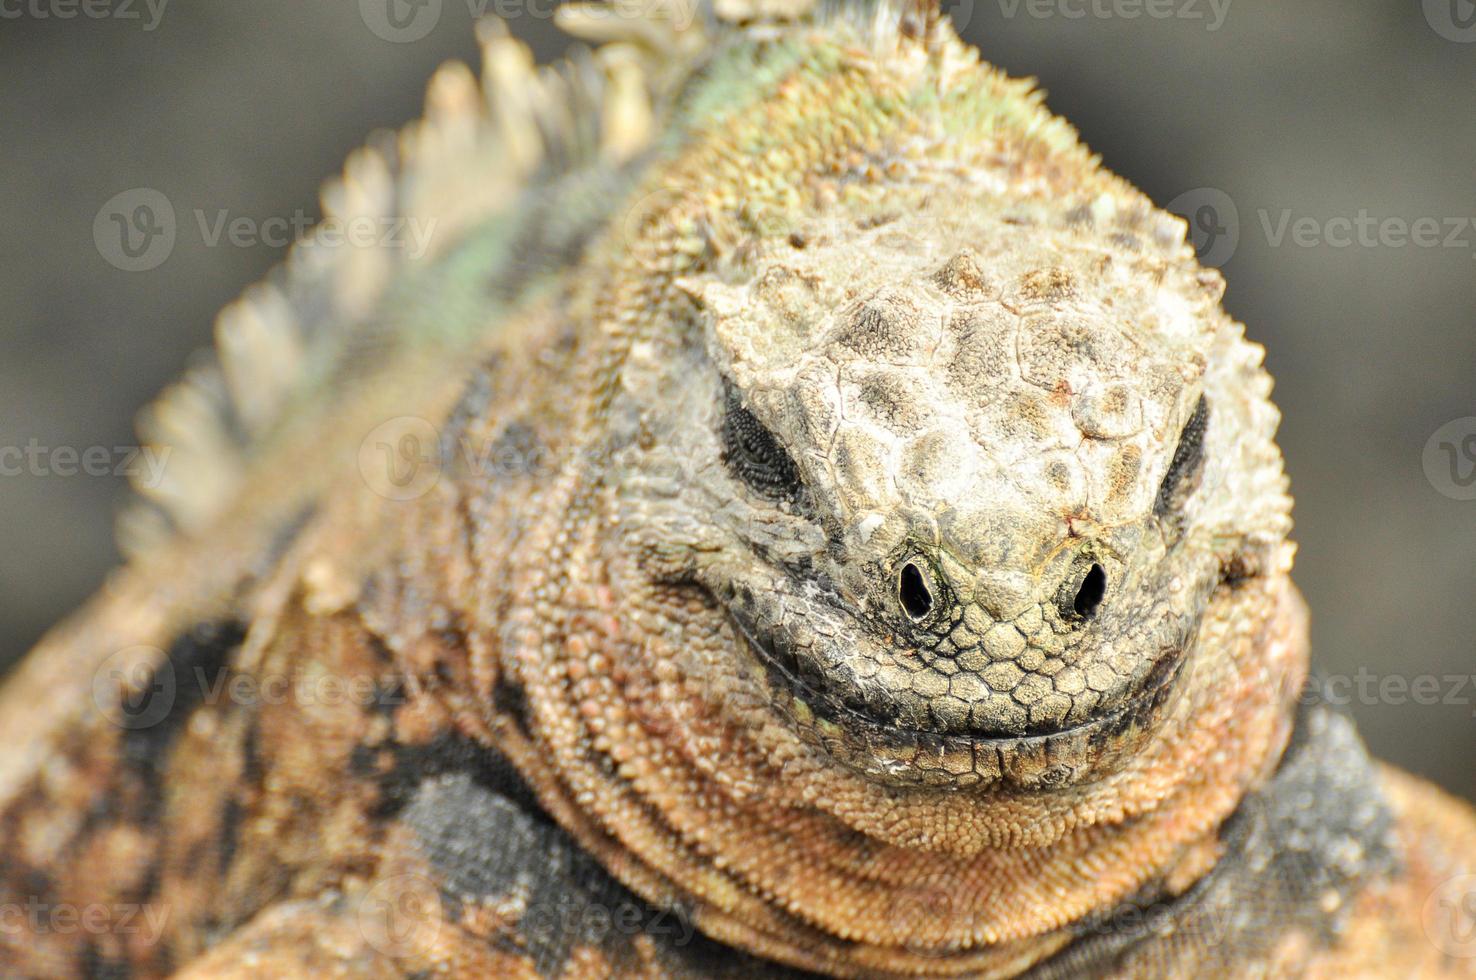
(802, 516)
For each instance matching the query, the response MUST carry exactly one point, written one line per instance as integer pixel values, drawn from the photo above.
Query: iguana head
(963, 483)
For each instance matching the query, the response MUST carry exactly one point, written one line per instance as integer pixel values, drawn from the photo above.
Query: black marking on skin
(517, 451)
(1319, 826)
(377, 646)
(473, 403)
(509, 698)
(485, 846)
(389, 695)
(448, 754)
(231, 816)
(252, 769)
(1239, 569)
(198, 657)
(95, 966)
(38, 881)
(94, 961)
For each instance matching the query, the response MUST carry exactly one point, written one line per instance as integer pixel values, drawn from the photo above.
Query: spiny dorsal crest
(479, 145)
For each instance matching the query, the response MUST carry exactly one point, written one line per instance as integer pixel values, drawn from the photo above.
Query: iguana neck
(654, 754)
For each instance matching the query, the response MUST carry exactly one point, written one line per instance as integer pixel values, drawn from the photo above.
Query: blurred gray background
(1301, 113)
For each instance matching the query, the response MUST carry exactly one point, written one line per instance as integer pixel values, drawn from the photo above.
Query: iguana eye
(1183, 472)
(755, 456)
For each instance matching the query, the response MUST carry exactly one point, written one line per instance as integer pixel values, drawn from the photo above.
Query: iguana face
(955, 487)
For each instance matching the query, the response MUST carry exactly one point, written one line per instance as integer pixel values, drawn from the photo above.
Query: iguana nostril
(1091, 593)
(917, 601)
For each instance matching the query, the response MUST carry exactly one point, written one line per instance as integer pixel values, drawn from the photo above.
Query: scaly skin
(888, 576)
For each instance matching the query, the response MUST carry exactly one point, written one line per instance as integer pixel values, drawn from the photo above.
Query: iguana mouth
(859, 737)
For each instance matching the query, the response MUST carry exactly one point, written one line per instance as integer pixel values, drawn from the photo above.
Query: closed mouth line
(781, 667)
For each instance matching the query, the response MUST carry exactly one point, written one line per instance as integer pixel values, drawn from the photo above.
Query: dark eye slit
(1187, 462)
